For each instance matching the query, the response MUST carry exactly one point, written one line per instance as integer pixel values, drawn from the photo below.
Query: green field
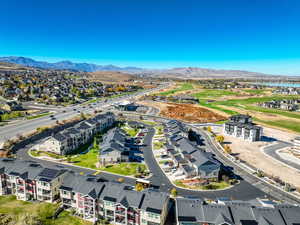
(183, 87)
(35, 213)
(256, 91)
(214, 93)
(250, 104)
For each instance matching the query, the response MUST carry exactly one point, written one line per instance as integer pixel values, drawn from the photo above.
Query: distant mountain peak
(65, 64)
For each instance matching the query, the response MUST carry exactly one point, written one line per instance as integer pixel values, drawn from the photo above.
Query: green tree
(174, 192)
(209, 129)
(220, 138)
(139, 187)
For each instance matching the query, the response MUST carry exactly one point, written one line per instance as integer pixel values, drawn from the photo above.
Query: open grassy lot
(20, 212)
(183, 87)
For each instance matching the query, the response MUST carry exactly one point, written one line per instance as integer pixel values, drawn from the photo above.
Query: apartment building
(70, 139)
(199, 212)
(29, 180)
(94, 199)
(241, 126)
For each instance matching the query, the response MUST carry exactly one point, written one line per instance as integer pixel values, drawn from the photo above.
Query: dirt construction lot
(187, 112)
(252, 154)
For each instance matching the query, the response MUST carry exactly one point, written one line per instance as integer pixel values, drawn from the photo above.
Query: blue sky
(256, 35)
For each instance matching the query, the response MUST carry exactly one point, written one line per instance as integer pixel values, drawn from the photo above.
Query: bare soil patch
(186, 112)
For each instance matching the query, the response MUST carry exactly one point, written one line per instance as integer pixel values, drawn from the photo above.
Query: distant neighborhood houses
(241, 126)
(55, 87)
(177, 99)
(68, 140)
(9, 106)
(285, 104)
(190, 160)
(287, 91)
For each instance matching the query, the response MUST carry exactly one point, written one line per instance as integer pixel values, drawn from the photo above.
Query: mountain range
(182, 73)
(64, 65)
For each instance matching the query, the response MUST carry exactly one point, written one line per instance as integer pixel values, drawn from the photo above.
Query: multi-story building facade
(70, 139)
(29, 180)
(241, 126)
(93, 199)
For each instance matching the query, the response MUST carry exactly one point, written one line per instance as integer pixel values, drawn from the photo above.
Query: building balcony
(66, 201)
(120, 219)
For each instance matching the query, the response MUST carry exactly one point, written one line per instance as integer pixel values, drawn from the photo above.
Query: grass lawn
(151, 123)
(38, 116)
(158, 145)
(88, 159)
(256, 91)
(159, 130)
(183, 87)
(38, 213)
(290, 125)
(164, 161)
(212, 93)
(42, 153)
(210, 186)
(132, 132)
(126, 169)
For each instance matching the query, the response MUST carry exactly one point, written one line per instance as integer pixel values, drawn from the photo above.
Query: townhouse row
(68, 140)
(189, 158)
(116, 147)
(91, 197)
(234, 212)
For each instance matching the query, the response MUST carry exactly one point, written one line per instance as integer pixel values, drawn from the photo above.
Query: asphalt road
(27, 126)
(271, 151)
(241, 191)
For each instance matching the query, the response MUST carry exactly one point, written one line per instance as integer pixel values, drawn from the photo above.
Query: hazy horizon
(258, 36)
